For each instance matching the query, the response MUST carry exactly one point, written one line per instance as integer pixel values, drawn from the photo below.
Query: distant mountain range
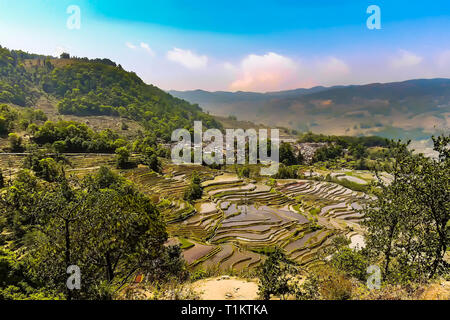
(410, 109)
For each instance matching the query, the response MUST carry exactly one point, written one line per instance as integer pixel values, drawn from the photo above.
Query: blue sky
(241, 45)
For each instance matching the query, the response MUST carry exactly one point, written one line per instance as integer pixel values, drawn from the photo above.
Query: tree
(285, 172)
(194, 190)
(327, 153)
(300, 158)
(243, 171)
(431, 187)
(287, 156)
(48, 169)
(274, 275)
(358, 150)
(122, 157)
(354, 262)
(151, 159)
(102, 224)
(15, 142)
(407, 221)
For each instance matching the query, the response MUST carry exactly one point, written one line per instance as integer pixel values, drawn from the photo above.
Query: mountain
(203, 96)
(92, 87)
(414, 108)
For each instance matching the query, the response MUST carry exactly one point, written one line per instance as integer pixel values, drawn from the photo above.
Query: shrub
(15, 142)
(123, 158)
(274, 274)
(194, 191)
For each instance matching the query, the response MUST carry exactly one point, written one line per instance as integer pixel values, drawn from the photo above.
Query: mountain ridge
(93, 87)
(415, 108)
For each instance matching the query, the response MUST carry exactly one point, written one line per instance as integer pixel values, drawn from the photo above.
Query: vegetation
(101, 224)
(274, 275)
(194, 191)
(59, 209)
(407, 223)
(345, 141)
(94, 87)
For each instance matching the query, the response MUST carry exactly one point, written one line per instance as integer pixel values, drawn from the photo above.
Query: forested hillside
(94, 87)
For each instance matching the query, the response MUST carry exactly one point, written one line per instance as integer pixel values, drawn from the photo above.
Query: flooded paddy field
(238, 219)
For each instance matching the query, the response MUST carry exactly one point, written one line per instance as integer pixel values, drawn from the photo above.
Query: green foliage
(102, 224)
(123, 158)
(345, 141)
(309, 289)
(198, 275)
(243, 171)
(15, 82)
(7, 118)
(15, 142)
(348, 184)
(274, 275)
(194, 190)
(17, 203)
(287, 156)
(71, 136)
(96, 88)
(359, 151)
(151, 160)
(351, 261)
(407, 221)
(48, 169)
(327, 153)
(285, 172)
(44, 166)
(15, 284)
(185, 243)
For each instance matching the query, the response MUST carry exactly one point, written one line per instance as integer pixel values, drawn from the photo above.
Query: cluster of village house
(306, 148)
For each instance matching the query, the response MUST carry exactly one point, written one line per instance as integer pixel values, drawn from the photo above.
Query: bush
(274, 274)
(123, 158)
(285, 172)
(194, 191)
(15, 142)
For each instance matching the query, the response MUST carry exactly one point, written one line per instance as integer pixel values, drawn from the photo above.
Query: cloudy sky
(241, 45)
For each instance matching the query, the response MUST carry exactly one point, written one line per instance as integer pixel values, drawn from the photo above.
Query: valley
(87, 179)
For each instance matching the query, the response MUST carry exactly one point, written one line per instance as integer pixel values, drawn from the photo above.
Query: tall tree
(407, 221)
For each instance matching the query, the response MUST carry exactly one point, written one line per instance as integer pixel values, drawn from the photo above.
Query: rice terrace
(238, 218)
(224, 150)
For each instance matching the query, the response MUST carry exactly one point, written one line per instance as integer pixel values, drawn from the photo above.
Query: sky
(241, 45)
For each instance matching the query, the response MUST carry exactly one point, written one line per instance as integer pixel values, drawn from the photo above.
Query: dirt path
(226, 288)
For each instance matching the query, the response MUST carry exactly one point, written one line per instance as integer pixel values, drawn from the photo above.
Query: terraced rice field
(238, 219)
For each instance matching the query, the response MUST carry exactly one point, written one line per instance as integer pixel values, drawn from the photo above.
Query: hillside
(99, 87)
(410, 109)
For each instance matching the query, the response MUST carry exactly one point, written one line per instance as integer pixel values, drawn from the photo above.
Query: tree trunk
(69, 292)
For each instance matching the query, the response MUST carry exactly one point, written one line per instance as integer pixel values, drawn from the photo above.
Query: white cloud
(187, 58)
(444, 59)
(264, 72)
(405, 59)
(147, 48)
(130, 45)
(333, 67)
